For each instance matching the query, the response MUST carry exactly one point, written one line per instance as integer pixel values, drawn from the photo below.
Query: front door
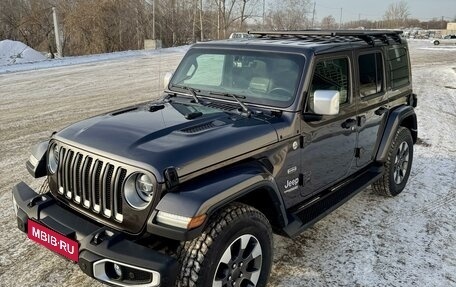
(329, 142)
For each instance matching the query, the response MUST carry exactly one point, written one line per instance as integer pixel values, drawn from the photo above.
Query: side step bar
(324, 203)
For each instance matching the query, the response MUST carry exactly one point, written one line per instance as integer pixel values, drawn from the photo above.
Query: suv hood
(164, 135)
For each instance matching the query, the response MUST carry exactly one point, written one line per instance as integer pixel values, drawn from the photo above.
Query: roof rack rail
(366, 35)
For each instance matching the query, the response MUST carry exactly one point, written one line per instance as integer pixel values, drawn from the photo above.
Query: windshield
(266, 78)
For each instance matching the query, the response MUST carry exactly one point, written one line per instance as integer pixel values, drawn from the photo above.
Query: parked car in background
(238, 35)
(448, 39)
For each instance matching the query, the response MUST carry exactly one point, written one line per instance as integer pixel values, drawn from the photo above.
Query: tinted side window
(370, 74)
(399, 67)
(330, 74)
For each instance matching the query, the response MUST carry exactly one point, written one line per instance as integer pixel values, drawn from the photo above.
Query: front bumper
(100, 248)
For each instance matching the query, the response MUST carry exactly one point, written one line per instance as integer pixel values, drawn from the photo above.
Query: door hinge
(301, 141)
(301, 179)
(361, 120)
(358, 152)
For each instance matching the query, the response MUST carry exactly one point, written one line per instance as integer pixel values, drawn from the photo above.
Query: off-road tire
(200, 257)
(386, 185)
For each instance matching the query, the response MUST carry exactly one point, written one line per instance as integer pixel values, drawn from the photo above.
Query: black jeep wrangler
(252, 136)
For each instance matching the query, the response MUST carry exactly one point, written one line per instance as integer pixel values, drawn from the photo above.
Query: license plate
(53, 240)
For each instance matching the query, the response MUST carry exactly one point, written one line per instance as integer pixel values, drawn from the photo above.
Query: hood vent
(202, 127)
(198, 128)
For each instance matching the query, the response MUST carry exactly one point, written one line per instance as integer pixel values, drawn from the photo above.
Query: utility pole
(201, 20)
(264, 11)
(313, 15)
(153, 19)
(57, 33)
(218, 19)
(195, 7)
(340, 19)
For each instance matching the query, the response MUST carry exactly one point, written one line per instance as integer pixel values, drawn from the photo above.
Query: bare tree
(243, 3)
(94, 26)
(396, 14)
(328, 22)
(226, 8)
(289, 15)
(234, 13)
(248, 10)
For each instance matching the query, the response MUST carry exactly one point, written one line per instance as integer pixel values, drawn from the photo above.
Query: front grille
(91, 182)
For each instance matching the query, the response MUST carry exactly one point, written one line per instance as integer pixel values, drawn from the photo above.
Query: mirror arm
(310, 117)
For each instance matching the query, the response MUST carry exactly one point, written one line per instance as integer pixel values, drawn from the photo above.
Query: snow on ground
(14, 52)
(44, 63)
(409, 240)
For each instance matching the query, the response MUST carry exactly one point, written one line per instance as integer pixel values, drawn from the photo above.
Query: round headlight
(53, 159)
(144, 187)
(139, 190)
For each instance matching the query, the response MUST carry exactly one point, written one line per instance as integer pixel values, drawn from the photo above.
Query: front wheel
(397, 165)
(235, 249)
(436, 42)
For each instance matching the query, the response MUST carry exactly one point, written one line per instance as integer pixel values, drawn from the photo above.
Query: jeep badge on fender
(254, 135)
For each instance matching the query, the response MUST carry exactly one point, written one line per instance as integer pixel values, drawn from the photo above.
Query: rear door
(372, 102)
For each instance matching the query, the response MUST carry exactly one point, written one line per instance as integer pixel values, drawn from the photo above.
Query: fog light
(118, 270)
(123, 274)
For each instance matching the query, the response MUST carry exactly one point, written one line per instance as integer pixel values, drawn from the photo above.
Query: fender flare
(210, 192)
(397, 118)
(36, 164)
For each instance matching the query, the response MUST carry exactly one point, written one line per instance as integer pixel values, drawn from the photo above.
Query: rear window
(370, 74)
(399, 67)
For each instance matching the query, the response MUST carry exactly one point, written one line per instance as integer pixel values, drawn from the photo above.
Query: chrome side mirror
(167, 79)
(326, 102)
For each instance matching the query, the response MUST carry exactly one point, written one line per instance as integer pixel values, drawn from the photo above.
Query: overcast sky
(374, 9)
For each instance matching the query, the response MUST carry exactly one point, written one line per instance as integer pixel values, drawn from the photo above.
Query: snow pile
(14, 52)
(86, 59)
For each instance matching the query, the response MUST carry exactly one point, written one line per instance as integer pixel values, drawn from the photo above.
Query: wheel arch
(410, 122)
(270, 207)
(403, 116)
(249, 183)
(36, 165)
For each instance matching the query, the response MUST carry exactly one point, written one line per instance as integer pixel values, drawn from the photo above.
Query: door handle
(350, 123)
(380, 111)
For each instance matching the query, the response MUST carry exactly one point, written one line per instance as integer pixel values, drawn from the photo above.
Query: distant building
(451, 26)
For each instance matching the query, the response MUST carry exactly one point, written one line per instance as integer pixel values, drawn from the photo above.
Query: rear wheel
(235, 249)
(436, 42)
(397, 165)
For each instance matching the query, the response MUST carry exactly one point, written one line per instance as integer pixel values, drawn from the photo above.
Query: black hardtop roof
(315, 40)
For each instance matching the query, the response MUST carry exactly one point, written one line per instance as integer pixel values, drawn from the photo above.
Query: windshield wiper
(191, 90)
(244, 108)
